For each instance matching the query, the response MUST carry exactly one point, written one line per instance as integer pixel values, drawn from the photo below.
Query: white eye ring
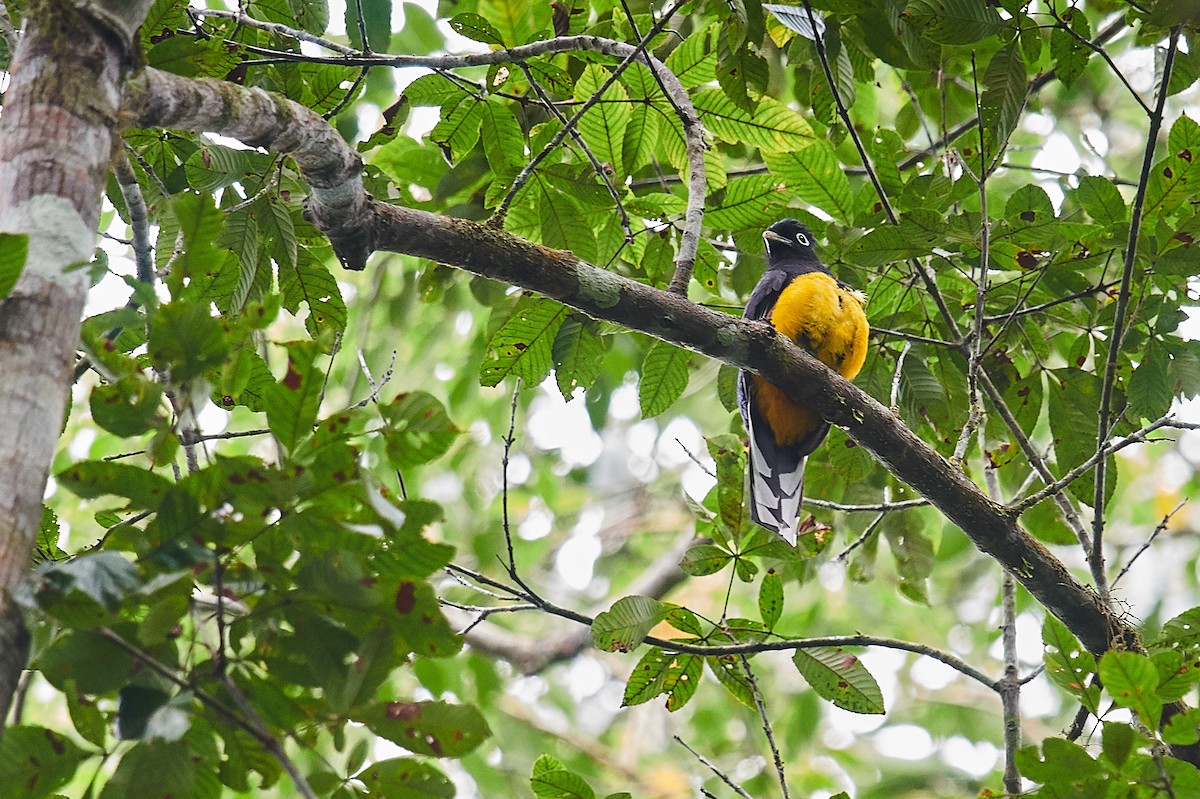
(802, 239)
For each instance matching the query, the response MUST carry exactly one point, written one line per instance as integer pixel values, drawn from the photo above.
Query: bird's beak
(771, 235)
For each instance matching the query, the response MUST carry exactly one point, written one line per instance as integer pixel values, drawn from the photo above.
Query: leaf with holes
(840, 677)
(523, 346)
(625, 625)
(1131, 679)
(438, 729)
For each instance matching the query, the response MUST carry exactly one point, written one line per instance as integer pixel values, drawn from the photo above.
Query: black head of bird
(789, 239)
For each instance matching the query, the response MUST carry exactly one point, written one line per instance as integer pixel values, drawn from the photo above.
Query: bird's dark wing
(762, 299)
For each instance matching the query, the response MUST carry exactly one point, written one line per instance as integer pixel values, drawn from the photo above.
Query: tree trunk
(56, 139)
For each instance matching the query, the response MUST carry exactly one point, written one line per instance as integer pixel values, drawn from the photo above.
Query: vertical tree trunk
(56, 138)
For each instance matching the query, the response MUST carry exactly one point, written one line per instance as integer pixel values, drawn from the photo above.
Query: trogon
(803, 301)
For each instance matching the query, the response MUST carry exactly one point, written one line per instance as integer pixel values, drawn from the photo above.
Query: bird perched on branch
(802, 301)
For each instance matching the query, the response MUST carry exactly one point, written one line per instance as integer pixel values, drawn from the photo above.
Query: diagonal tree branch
(604, 295)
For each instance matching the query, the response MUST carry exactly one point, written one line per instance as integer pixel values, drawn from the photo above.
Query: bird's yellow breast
(828, 321)
(825, 319)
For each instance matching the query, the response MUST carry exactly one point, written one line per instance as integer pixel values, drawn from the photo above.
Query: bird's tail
(776, 487)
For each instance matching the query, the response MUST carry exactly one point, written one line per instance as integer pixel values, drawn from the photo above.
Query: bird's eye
(802, 239)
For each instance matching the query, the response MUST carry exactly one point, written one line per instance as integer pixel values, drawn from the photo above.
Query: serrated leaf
(308, 280)
(559, 783)
(437, 729)
(752, 201)
(841, 678)
(1004, 96)
(503, 139)
(603, 125)
(1101, 200)
(14, 248)
(703, 559)
(458, 129)
(772, 128)
(1068, 664)
(293, 402)
(406, 778)
(1149, 389)
(664, 377)
(523, 346)
(476, 28)
(1182, 631)
(816, 177)
(694, 61)
(91, 479)
(954, 21)
(419, 429)
(1131, 680)
(729, 672)
(770, 599)
(578, 354)
(622, 627)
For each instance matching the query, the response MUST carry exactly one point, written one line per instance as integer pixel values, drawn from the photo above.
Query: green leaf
(476, 28)
(293, 402)
(1182, 631)
(770, 599)
(157, 770)
(694, 61)
(752, 201)
(503, 139)
(419, 429)
(1004, 96)
(307, 279)
(772, 128)
(816, 177)
(185, 340)
(1101, 200)
(212, 166)
(1149, 389)
(104, 577)
(458, 129)
(128, 407)
(35, 761)
(1131, 679)
(523, 346)
(954, 21)
(550, 780)
(1068, 664)
(729, 454)
(437, 729)
(729, 672)
(622, 627)
(603, 125)
(93, 663)
(578, 354)
(660, 672)
(377, 19)
(87, 718)
(702, 559)
(91, 479)
(406, 778)
(841, 678)
(14, 248)
(664, 378)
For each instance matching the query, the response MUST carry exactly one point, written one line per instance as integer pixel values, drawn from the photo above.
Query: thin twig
(1146, 544)
(250, 727)
(274, 27)
(736, 788)
(1071, 476)
(766, 725)
(587, 151)
(1096, 561)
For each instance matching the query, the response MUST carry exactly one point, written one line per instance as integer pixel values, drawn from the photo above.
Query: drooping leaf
(436, 729)
(623, 626)
(523, 345)
(664, 378)
(840, 677)
(14, 248)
